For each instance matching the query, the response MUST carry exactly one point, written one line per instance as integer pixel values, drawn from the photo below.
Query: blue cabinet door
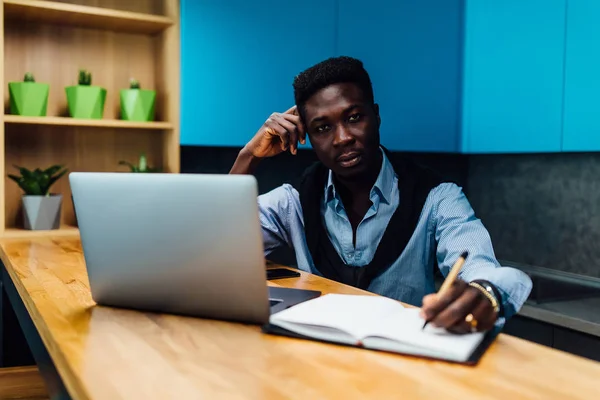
(582, 77)
(513, 76)
(238, 61)
(411, 50)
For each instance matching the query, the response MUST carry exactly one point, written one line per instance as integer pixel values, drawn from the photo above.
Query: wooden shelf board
(22, 383)
(53, 12)
(101, 123)
(70, 231)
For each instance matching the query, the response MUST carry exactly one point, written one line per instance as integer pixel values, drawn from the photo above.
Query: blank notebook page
(408, 330)
(354, 314)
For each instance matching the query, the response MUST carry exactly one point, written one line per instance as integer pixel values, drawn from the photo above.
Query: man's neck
(350, 189)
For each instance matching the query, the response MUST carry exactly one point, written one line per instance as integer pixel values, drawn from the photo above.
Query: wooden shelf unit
(22, 383)
(115, 41)
(82, 16)
(100, 123)
(65, 230)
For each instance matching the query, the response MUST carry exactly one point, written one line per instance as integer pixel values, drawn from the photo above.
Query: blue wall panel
(239, 59)
(411, 49)
(582, 77)
(499, 91)
(513, 75)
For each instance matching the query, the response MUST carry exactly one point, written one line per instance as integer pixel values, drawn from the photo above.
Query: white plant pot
(42, 212)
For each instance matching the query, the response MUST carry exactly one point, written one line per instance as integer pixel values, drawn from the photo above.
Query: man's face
(343, 128)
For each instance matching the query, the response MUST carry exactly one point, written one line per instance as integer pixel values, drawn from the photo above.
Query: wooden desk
(106, 353)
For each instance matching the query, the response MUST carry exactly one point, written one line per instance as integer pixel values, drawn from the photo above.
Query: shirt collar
(383, 185)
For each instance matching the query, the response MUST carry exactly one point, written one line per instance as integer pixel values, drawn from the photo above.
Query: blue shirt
(446, 228)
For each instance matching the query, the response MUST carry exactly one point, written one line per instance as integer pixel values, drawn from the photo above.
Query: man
(360, 219)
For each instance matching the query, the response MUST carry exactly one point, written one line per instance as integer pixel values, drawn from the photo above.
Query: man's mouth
(349, 159)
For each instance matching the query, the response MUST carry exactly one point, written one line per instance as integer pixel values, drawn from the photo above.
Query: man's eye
(354, 118)
(322, 128)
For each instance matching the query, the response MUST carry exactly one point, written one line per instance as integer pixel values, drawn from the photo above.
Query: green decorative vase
(86, 101)
(28, 98)
(137, 104)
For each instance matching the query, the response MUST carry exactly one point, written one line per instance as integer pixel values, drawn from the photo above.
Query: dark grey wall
(541, 209)
(285, 168)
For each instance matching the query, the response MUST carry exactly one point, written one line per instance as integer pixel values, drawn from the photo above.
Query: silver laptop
(185, 244)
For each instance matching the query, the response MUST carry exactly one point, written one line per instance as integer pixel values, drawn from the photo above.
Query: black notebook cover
(479, 351)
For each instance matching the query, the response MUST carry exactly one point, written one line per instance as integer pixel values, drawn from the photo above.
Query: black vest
(414, 183)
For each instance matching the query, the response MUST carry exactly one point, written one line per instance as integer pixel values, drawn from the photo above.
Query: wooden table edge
(63, 367)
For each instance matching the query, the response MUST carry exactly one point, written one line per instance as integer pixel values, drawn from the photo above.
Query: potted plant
(41, 209)
(137, 104)
(141, 167)
(84, 100)
(28, 97)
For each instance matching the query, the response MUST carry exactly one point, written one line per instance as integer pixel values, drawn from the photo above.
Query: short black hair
(341, 69)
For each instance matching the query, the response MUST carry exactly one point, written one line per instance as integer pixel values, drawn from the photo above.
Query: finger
(429, 299)
(431, 309)
(462, 325)
(301, 129)
(460, 328)
(458, 309)
(299, 126)
(485, 315)
(272, 133)
(276, 129)
(427, 302)
(292, 130)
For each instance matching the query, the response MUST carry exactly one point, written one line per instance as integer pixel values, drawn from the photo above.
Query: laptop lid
(177, 243)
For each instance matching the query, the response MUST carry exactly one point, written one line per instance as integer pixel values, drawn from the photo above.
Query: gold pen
(449, 281)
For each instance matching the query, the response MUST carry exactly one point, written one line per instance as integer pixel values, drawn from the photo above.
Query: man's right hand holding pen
(462, 307)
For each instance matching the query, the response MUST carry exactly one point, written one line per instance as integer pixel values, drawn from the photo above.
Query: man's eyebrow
(323, 118)
(318, 119)
(351, 107)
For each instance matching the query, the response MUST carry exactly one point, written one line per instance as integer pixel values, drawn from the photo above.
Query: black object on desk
(280, 273)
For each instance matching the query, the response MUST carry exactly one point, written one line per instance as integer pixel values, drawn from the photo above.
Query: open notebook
(376, 323)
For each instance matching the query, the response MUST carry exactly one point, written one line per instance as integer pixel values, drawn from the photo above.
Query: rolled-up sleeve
(457, 230)
(274, 210)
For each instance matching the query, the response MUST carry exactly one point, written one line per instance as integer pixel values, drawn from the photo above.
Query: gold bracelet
(487, 294)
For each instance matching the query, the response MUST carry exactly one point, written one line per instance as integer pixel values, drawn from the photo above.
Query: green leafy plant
(134, 84)
(141, 167)
(85, 77)
(38, 182)
(28, 77)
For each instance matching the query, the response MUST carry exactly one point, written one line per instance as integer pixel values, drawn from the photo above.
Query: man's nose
(342, 136)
